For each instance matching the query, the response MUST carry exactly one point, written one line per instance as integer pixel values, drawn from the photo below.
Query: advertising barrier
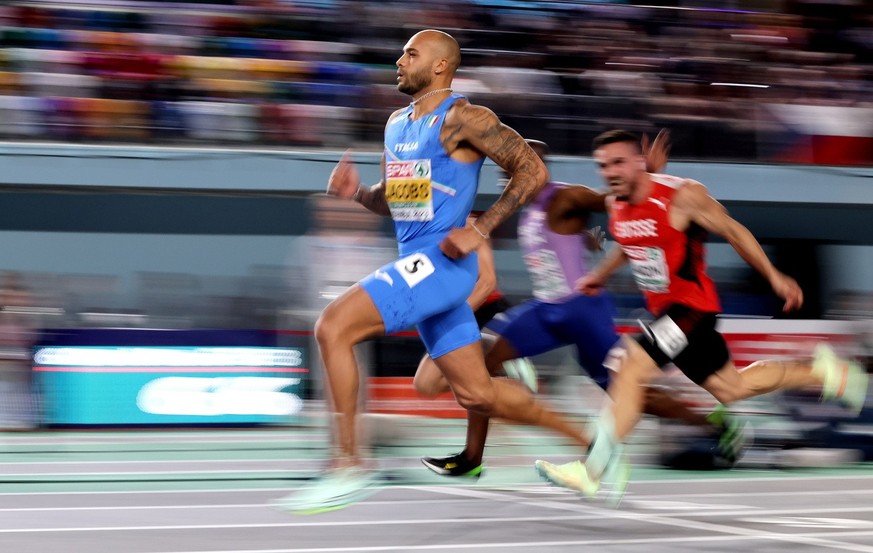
(749, 340)
(155, 377)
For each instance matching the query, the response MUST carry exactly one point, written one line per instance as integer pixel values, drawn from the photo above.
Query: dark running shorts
(536, 327)
(686, 338)
(487, 311)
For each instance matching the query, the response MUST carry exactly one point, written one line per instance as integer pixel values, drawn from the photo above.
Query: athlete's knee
(636, 364)
(427, 390)
(429, 381)
(728, 387)
(325, 329)
(725, 394)
(480, 399)
(331, 328)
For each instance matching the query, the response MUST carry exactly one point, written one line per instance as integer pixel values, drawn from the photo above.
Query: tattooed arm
(471, 132)
(478, 128)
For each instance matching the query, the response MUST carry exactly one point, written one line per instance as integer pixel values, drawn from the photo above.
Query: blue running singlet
(429, 194)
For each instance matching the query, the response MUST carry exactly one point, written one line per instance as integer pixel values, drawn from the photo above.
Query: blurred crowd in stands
(788, 80)
(734, 80)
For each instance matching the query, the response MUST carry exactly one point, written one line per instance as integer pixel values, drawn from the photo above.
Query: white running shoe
(573, 476)
(334, 490)
(523, 370)
(843, 380)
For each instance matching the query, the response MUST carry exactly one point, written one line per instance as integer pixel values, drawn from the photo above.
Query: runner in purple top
(558, 316)
(554, 261)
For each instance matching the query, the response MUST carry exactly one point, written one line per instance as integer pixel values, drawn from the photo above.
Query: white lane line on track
(67, 441)
(728, 478)
(723, 534)
(148, 492)
(523, 488)
(585, 512)
(38, 475)
(745, 493)
(138, 507)
(25, 464)
(749, 511)
(677, 522)
(313, 524)
(565, 501)
(523, 546)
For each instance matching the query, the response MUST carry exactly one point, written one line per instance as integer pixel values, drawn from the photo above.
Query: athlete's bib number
(649, 267)
(549, 283)
(414, 268)
(408, 190)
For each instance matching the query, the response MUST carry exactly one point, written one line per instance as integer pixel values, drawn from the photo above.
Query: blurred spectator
(17, 335)
(344, 245)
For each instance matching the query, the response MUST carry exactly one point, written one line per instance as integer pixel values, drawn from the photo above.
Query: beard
(615, 187)
(414, 83)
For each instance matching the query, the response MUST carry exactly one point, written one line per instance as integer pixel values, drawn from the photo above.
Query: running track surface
(214, 491)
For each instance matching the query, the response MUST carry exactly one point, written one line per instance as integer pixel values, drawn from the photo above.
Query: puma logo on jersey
(382, 275)
(638, 228)
(659, 203)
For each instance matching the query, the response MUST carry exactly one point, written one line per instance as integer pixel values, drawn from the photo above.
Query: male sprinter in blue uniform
(434, 149)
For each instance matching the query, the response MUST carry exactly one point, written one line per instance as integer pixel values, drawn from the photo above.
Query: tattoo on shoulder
(482, 129)
(479, 128)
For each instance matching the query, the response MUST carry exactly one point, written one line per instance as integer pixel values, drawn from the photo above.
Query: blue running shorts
(429, 290)
(536, 327)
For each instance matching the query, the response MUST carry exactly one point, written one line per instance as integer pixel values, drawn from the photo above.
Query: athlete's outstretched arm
(568, 211)
(596, 278)
(657, 152)
(701, 208)
(487, 280)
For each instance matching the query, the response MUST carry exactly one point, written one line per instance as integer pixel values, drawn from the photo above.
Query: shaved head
(429, 61)
(444, 46)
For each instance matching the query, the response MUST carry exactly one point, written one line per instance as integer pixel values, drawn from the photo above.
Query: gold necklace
(431, 93)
